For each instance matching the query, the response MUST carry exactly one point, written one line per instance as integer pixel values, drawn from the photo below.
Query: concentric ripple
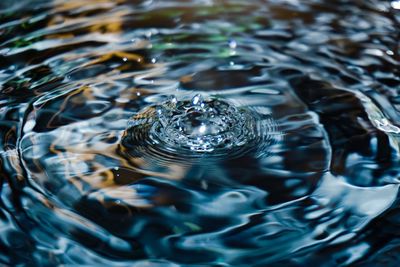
(193, 127)
(199, 133)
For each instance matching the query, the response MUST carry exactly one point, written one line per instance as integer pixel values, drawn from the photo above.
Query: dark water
(200, 133)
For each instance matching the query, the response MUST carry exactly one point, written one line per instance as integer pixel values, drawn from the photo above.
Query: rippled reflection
(187, 133)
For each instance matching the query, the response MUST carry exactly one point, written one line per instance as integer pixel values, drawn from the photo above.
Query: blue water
(199, 133)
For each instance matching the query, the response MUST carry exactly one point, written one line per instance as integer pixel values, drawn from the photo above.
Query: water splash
(202, 125)
(192, 126)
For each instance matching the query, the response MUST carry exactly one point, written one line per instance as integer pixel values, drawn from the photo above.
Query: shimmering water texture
(199, 133)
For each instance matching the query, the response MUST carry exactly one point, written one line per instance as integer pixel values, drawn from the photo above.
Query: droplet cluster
(194, 126)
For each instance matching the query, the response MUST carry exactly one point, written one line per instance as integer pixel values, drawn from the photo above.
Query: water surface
(199, 133)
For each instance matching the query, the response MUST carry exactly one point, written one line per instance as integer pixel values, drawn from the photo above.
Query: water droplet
(232, 44)
(196, 99)
(390, 52)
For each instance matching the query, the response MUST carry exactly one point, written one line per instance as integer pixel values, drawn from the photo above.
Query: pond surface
(199, 133)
